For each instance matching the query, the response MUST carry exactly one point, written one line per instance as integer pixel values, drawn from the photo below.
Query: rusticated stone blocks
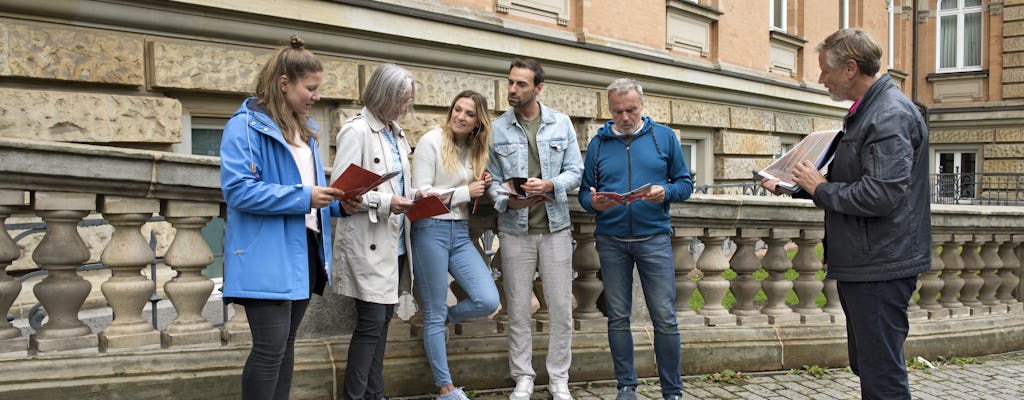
(792, 123)
(752, 119)
(438, 88)
(728, 142)
(700, 114)
(88, 117)
(48, 51)
(961, 136)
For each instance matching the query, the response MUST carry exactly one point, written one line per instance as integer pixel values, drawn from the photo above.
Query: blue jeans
(442, 247)
(656, 266)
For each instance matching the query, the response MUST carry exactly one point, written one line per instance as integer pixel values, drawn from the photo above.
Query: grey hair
(852, 44)
(624, 85)
(384, 90)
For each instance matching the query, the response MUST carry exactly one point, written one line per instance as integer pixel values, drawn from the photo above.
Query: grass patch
(726, 376)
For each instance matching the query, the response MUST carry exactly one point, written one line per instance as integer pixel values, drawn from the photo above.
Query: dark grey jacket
(877, 211)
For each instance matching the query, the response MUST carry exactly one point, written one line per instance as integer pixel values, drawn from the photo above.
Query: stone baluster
(972, 282)
(1019, 290)
(776, 287)
(189, 291)
(744, 287)
(415, 320)
(236, 330)
(1011, 266)
(807, 285)
(712, 285)
(833, 307)
(586, 287)
(502, 317)
(541, 317)
(951, 282)
(685, 286)
(471, 326)
(127, 291)
(60, 253)
(930, 285)
(11, 341)
(990, 275)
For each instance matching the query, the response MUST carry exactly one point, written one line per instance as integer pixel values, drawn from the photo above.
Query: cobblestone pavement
(998, 377)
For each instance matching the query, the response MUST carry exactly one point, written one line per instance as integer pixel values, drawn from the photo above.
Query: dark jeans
(364, 372)
(268, 370)
(876, 327)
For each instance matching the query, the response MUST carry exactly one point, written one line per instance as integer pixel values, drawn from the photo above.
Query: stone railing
(969, 302)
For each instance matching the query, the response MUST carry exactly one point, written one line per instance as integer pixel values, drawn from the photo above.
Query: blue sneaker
(626, 393)
(456, 394)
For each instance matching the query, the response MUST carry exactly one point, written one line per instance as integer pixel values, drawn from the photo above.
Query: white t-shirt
(303, 156)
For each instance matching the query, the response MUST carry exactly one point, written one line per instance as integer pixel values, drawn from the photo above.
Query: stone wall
(1013, 49)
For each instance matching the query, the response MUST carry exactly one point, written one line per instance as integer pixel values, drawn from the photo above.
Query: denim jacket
(560, 162)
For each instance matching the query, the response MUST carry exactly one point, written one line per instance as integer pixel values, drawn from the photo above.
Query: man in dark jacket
(877, 214)
(633, 152)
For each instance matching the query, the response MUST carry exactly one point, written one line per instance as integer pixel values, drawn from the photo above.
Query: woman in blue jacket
(277, 242)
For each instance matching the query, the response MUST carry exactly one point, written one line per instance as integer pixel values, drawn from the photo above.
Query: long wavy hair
(292, 61)
(476, 143)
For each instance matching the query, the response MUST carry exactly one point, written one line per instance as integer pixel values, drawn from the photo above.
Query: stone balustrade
(967, 304)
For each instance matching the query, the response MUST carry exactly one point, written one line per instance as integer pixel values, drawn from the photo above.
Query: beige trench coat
(366, 244)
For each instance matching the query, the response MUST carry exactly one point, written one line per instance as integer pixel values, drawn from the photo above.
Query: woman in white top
(453, 159)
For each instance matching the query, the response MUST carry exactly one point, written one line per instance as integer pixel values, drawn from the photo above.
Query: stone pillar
(11, 341)
(972, 282)
(990, 275)
(189, 291)
(586, 287)
(502, 317)
(471, 326)
(127, 291)
(60, 253)
(1008, 275)
(833, 306)
(685, 286)
(744, 287)
(777, 286)
(541, 317)
(807, 286)
(236, 330)
(930, 285)
(712, 285)
(951, 282)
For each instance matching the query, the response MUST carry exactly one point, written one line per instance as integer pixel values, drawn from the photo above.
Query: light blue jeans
(441, 247)
(656, 266)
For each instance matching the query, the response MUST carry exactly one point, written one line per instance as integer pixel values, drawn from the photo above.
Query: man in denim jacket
(539, 144)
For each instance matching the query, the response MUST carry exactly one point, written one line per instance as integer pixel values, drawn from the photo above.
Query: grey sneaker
(456, 394)
(626, 393)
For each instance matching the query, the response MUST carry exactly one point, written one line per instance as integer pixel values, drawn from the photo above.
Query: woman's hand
(399, 204)
(478, 187)
(321, 196)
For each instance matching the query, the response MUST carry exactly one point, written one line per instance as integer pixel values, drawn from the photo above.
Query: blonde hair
(292, 61)
(476, 143)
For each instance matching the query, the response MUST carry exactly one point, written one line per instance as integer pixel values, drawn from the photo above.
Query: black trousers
(267, 374)
(364, 371)
(876, 328)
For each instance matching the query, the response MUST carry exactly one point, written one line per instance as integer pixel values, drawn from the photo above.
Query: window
(206, 134)
(696, 146)
(691, 28)
(955, 174)
(959, 35)
(778, 15)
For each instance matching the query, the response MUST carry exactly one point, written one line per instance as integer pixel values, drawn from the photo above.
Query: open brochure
(356, 181)
(626, 198)
(818, 148)
(515, 189)
(430, 204)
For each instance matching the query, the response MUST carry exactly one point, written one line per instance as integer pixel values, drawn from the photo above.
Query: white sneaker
(524, 388)
(559, 391)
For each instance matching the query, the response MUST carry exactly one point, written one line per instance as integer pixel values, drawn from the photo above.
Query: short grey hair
(384, 90)
(624, 85)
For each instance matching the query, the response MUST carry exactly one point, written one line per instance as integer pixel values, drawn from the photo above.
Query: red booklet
(429, 205)
(356, 181)
(628, 197)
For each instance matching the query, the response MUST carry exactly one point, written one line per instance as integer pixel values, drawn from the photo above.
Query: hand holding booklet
(356, 181)
(628, 197)
(817, 147)
(430, 204)
(515, 189)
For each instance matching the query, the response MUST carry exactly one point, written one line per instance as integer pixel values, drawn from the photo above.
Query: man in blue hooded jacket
(631, 151)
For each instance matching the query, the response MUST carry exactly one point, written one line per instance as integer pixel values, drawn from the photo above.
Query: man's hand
(537, 185)
(321, 196)
(656, 194)
(770, 185)
(808, 177)
(600, 203)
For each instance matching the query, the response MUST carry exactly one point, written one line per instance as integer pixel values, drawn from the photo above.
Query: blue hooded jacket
(623, 163)
(265, 249)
